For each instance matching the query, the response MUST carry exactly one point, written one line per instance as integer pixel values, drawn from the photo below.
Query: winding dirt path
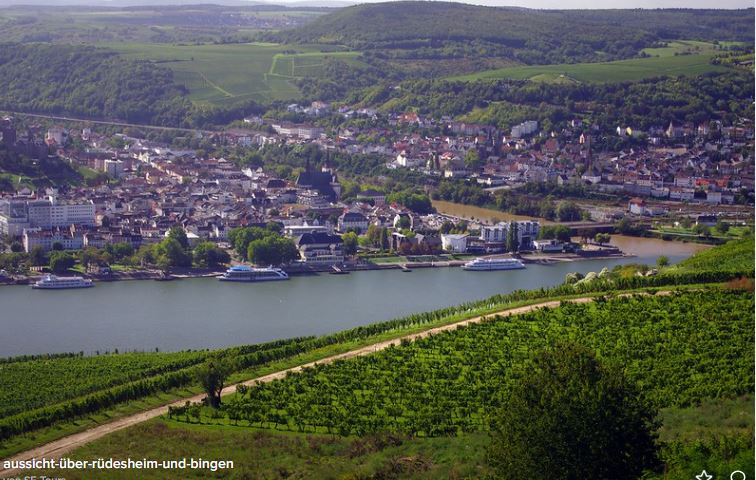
(60, 447)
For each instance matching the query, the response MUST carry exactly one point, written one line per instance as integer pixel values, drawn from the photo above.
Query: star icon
(704, 476)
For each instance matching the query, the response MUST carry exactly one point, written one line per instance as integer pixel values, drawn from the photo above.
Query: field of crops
(620, 71)
(29, 384)
(680, 349)
(230, 73)
(297, 65)
(736, 255)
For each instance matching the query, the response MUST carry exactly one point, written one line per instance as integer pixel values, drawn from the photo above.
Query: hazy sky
(545, 4)
(563, 4)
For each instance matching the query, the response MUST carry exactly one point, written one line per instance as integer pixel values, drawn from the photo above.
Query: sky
(538, 4)
(590, 4)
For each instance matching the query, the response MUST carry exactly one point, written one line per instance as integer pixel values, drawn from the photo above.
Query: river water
(206, 313)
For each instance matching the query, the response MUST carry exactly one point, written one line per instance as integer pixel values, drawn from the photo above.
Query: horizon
(527, 4)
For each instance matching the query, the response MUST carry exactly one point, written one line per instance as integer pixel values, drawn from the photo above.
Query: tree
(208, 254)
(212, 375)
(446, 227)
(662, 261)
(575, 418)
(60, 262)
(602, 238)
(350, 243)
(384, 239)
(57, 247)
(16, 247)
(558, 232)
(177, 233)
(702, 229)
(272, 250)
(37, 256)
(568, 212)
(722, 227)
(513, 241)
(472, 159)
(169, 252)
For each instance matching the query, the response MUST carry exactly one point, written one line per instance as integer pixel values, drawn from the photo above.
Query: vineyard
(679, 349)
(39, 392)
(736, 255)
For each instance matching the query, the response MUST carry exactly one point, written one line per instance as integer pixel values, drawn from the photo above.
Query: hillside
(529, 36)
(89, 82)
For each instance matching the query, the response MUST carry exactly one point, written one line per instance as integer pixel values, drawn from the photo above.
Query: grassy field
(270, 454)
(686, 58)
(227, 74)
(297, 65)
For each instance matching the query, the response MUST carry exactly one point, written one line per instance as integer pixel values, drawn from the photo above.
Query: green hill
(530, 36)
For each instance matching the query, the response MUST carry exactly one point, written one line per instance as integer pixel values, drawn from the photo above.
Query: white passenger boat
(243, 273)
(52, 282)
(488, 264)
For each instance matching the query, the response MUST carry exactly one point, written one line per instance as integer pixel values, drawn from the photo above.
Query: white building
(17, 215)
(45, 239)
(525, 128)
(454, 242)
(353, 221)
(496, 235)
(114, 168)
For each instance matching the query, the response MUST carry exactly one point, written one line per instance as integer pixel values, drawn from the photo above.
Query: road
(64, 445)
(109, 122)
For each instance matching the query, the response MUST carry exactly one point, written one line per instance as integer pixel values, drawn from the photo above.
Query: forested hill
(89, 82)
(577, 35)
(93, 82)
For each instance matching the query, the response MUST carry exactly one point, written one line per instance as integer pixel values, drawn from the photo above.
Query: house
(637, 206)
(706, 220)
(548, 246)
(454, 242)
(320, 248)
(325, 183)
(378, 198)
(353, 221)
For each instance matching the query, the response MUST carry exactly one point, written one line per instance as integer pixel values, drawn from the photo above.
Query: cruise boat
(487, 264)
(243, 273)
(51, 282)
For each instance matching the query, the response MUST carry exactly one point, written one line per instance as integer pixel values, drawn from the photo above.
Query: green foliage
(241, 237)
(734, 255)
(208, 254)
(32, 382)
(90, 82)
(272, 250)
(60, 262)
(417, 202)
(662, 261)
(212, 375)
(414, 29)
(602, 238)
(428, 387)
(573, 416)
(472, 160)
(179, 234)
(37, 256)
(170, 253)
(568, 212)
(350, 243)
(558, 232)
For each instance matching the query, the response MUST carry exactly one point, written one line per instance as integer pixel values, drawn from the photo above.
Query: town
(146, 187)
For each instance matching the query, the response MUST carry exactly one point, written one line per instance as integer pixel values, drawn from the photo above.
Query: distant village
(157, 187)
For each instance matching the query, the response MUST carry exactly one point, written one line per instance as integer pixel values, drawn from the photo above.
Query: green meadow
(687, 58)
(219, 74)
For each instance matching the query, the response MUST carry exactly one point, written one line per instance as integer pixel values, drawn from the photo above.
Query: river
(206, 313)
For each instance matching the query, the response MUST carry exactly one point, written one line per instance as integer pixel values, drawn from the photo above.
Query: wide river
(206, 313)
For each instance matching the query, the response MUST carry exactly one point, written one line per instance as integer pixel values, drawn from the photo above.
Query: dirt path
(59, 447)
